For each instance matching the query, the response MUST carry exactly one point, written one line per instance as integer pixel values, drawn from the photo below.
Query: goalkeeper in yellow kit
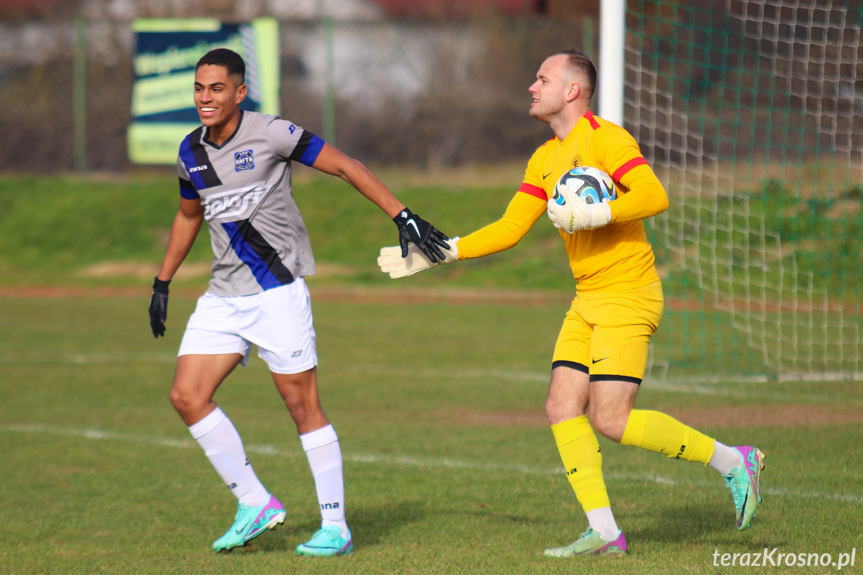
(601, 352)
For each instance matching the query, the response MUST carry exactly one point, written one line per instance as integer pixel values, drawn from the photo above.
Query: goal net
(751, 113)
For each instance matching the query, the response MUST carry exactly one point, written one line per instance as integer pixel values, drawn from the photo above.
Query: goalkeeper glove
(159, 307)
(574, 214)
(425, 236)
(393, 263)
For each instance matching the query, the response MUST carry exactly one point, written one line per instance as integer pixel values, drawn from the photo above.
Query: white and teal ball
(592, 184)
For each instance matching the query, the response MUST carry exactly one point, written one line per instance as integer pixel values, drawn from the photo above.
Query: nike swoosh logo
(411, 222)
(598, 360)
(547, 175)
(242, 529)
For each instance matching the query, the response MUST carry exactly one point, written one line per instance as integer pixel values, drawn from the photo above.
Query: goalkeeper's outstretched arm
(523, 211)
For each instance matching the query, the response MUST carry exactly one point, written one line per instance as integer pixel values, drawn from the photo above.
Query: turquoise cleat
(327, 542)
(745, 484)
(590, 543)
(251, 522)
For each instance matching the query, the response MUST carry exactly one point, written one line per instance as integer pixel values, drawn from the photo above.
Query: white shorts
(278, 321)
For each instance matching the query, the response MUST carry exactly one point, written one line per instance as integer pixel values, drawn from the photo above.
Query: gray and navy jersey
(258, 236)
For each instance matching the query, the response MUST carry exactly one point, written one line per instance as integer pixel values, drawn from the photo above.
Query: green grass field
(449, 465)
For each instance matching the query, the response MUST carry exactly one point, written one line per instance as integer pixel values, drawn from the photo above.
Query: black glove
(159, 307)
(425, 236)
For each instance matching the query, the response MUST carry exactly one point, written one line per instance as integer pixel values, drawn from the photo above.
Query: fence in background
(404, 92)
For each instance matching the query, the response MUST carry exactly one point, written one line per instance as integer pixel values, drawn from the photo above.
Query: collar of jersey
(231, 137)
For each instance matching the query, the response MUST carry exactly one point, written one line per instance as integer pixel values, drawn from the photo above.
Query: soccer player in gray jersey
(235, 173)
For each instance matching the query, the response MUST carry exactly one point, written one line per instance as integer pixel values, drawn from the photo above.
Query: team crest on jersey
(577, 162)
(244, 160)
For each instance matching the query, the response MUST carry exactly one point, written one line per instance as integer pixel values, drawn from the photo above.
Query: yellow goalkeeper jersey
(616, 257)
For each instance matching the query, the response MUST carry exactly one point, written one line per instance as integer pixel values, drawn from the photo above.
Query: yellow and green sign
(163, 107)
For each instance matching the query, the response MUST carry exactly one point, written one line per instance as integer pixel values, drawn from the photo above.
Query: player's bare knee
(181, 406)
(298, 406)
(608, 424)
(184, 402)
(555, 413)
(176, 398)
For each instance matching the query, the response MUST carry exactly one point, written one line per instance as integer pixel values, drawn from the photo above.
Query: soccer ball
(591, 184)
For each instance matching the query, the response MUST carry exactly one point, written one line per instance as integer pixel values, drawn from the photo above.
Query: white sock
(325, 460)
(220, 441)
(724, 459)
(602, 521)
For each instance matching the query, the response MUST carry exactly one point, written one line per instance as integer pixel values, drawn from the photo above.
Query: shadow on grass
(707, 520)
(673, 524)
(369, 526)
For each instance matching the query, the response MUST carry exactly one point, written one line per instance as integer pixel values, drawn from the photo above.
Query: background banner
(163, 110)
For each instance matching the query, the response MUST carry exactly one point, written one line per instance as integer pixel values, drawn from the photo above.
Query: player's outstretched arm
(185, 229)
(521, 213)
(412, 228)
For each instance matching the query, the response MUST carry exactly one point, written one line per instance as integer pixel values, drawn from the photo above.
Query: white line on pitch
(412, 461)
(694, 385)
(84, 358)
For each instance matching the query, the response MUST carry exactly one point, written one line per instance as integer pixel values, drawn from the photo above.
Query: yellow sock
(579, 451)
(661, 433)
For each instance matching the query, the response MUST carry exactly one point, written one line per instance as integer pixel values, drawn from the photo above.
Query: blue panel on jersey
(313, 149)
(249, 256)
(188, 191)
(187, 155)
(197, 161)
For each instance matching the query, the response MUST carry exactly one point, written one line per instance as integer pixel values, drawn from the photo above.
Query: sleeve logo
(244, 160)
